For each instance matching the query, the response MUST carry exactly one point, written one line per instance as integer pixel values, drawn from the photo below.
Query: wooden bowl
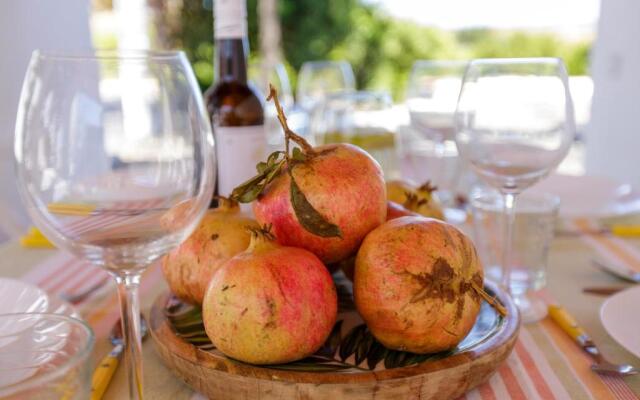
(444, 376)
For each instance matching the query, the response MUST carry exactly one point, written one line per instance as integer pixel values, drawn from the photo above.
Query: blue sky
(562, 15)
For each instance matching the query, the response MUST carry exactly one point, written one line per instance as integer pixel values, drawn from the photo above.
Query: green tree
(380, 48)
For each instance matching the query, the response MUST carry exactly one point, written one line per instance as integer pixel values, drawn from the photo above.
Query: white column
(613, 135)
(26, 25)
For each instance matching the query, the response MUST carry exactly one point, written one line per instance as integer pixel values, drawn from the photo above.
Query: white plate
(28, 298)
(17, 297)
(619, 315)
(590, 196)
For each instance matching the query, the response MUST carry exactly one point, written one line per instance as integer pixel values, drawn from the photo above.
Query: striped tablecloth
(546, 364)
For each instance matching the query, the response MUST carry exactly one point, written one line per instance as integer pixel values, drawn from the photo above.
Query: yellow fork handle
(104, 372)
(567, 323)
(626, 230)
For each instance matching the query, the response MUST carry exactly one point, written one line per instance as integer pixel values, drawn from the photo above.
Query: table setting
(439, 258)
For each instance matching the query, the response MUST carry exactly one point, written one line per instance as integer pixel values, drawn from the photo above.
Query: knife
(618, 270)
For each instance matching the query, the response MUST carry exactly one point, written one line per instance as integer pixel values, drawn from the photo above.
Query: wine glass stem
(130, 314)
(508, 222)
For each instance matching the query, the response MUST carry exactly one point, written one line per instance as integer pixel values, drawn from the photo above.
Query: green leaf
(362, 350)
(395, 359)
(310, 219)
(249, 190)
(377, 353)
(273, 157)
(332, 343)
(261, 167)
(298, 155)
(349, 343)
(311, 367)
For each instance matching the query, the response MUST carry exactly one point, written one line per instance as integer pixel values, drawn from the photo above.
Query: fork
(78, 298)
(571, 327)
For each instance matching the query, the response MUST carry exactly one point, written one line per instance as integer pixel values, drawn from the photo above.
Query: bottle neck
(231, 59)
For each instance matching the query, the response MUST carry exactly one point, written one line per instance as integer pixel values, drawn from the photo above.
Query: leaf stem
(288, 133)
(491, 300)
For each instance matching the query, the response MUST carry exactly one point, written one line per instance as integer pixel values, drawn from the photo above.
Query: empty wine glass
(514, 124)
(362, 118)
(431, 97)
(318, 79)
(261, 77)
(114, 158)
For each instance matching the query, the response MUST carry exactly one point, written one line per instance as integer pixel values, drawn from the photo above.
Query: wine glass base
(532, 309)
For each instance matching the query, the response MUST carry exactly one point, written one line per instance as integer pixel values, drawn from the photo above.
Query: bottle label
(238, 150)
(230, 19)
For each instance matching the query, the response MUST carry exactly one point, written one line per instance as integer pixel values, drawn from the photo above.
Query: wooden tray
(440, 376)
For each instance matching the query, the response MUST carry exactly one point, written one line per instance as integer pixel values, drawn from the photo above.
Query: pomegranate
(221, 234)
(344, 184)
(395, 210)
(419, 199)
(418, 284)
(270, 304)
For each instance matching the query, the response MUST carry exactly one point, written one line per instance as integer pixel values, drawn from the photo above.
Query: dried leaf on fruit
(310, 219)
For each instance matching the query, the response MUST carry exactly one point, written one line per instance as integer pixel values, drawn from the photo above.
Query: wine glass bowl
(431, 98)
(514, 120)
(432, 95)
(319, 79)
(114, 157)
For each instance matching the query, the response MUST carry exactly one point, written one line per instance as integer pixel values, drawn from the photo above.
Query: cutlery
(618, 270)
(35, 239)
(603, 290)
(108, 365)
(569, 325)
(621, 230)
(78, 298)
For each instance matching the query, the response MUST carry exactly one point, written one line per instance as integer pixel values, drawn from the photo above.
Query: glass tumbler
(535, 220)
(44, 356)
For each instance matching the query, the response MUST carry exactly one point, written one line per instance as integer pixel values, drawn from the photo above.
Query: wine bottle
(236, 112)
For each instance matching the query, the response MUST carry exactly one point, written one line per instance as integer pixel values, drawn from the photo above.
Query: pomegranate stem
(288, 133)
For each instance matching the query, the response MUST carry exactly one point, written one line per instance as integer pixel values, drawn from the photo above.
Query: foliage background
(380, 49)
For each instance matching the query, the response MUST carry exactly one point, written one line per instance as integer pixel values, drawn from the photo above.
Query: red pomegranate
(221, 234)
(342, 183)
(418, 284)
(396, 210)
(270, 304)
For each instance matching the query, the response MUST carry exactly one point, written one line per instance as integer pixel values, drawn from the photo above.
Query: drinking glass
(534, 225)
(431, 97)
(361, 118)
(276, 75)
(114, 158)
(44, 356)
(515, 124)
(318, 79)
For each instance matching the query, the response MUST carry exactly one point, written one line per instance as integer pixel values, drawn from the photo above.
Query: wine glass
(515, 124)
(261, 77)
(318, 79)
(363, 118)
(431, 97)
(114, 158)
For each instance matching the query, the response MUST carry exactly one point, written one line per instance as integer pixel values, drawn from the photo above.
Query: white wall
(613, 136)
(26, 25)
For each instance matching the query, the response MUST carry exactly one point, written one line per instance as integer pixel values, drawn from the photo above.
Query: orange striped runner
(545, 364)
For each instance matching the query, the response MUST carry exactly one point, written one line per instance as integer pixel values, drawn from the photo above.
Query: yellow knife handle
(104, 372)
(626, 230)
(36, 242)
(567, 323)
